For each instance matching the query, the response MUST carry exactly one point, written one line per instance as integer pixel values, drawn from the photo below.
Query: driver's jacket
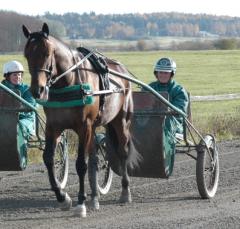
(26, 119)
(179, 98)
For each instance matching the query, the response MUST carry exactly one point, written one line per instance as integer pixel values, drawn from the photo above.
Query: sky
(39, 7)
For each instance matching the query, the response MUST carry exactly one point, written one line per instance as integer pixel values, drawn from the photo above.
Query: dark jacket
(26, 119)
(177, 94)
(173, 124)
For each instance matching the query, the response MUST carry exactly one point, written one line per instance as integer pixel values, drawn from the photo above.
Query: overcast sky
(32, 7)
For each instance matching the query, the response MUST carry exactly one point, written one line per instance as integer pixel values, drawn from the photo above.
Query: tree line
(11, 35)
(138, 26)
(115, 26)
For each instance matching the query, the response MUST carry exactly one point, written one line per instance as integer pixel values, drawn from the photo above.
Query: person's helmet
(12, 66)
(165, 65)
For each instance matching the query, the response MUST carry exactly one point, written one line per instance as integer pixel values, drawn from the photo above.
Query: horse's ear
(26, 31)
(45, 30)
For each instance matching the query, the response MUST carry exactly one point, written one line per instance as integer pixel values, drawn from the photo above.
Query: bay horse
(48, 58)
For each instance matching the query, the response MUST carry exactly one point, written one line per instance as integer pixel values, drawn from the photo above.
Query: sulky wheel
(105, 174)
(61, 161)
(207, 169)
(100, 173)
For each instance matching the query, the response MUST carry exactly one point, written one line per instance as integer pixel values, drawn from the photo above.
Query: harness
(100, 66)
(68, 97)
(79, 95)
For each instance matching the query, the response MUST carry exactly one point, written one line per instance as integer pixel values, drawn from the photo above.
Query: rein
(84, 94)
(75, 66)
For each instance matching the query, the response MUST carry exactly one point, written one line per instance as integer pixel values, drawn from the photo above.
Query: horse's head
(39, 52)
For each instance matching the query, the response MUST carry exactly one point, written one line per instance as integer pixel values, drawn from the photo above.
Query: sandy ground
(27, 202)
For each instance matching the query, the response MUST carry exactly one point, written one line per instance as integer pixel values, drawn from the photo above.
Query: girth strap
(71, 96)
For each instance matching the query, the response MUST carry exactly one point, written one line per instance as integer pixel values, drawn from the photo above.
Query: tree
(11, 35)
(57, 28)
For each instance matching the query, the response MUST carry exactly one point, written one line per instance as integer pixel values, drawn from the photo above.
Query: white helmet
(165, 65)
(12, 66)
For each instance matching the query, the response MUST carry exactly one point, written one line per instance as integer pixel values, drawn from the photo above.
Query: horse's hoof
(126, 196)
(66, 204)
(94, 204)
(80, 211)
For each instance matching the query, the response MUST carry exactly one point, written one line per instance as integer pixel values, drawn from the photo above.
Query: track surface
(27, 202)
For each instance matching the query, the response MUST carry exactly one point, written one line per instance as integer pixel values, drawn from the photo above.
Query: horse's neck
(65, 59)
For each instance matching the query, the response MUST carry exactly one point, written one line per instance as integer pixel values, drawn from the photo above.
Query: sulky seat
(13, 151)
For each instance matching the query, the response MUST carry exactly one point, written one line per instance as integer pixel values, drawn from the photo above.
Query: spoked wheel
(61, 161)
(102, 171)
(207, 170)
(105, 174)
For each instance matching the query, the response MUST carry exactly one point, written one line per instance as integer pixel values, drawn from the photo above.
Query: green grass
(200, 72)
(220, 118)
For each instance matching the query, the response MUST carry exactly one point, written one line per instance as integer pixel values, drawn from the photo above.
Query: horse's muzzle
(40, 92)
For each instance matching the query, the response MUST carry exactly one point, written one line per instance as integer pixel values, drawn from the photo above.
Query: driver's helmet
(12, 66)
(165, 65)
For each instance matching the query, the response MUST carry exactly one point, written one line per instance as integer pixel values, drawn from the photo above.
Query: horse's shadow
(26, 203)
(146, 200)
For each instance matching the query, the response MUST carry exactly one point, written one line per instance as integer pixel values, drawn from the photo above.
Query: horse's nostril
(41, 90)
(34, 92)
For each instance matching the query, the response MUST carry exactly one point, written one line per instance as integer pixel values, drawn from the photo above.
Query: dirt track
(27, 202)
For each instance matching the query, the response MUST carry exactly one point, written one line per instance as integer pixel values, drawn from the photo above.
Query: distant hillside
(138, 26)
(117, 26)
(11, 36)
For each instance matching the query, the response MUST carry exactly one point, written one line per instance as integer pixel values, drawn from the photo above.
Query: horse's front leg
(63, 198)
(81, 167)
(85, 146)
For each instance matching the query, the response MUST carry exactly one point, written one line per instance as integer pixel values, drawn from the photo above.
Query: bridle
(52, 80)
(49, 72)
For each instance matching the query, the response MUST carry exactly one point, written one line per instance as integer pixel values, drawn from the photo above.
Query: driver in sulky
(13, 74)
(164, 71)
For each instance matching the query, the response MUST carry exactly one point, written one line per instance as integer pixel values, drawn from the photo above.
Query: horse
(53, 66)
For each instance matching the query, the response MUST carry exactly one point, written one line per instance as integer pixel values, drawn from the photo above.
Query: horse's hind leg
(119, 129)
(93, 179)
(64, 200)
(123, 149)
(129, 157)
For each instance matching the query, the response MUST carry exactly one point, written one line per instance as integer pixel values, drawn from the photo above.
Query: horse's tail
(133, 157)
